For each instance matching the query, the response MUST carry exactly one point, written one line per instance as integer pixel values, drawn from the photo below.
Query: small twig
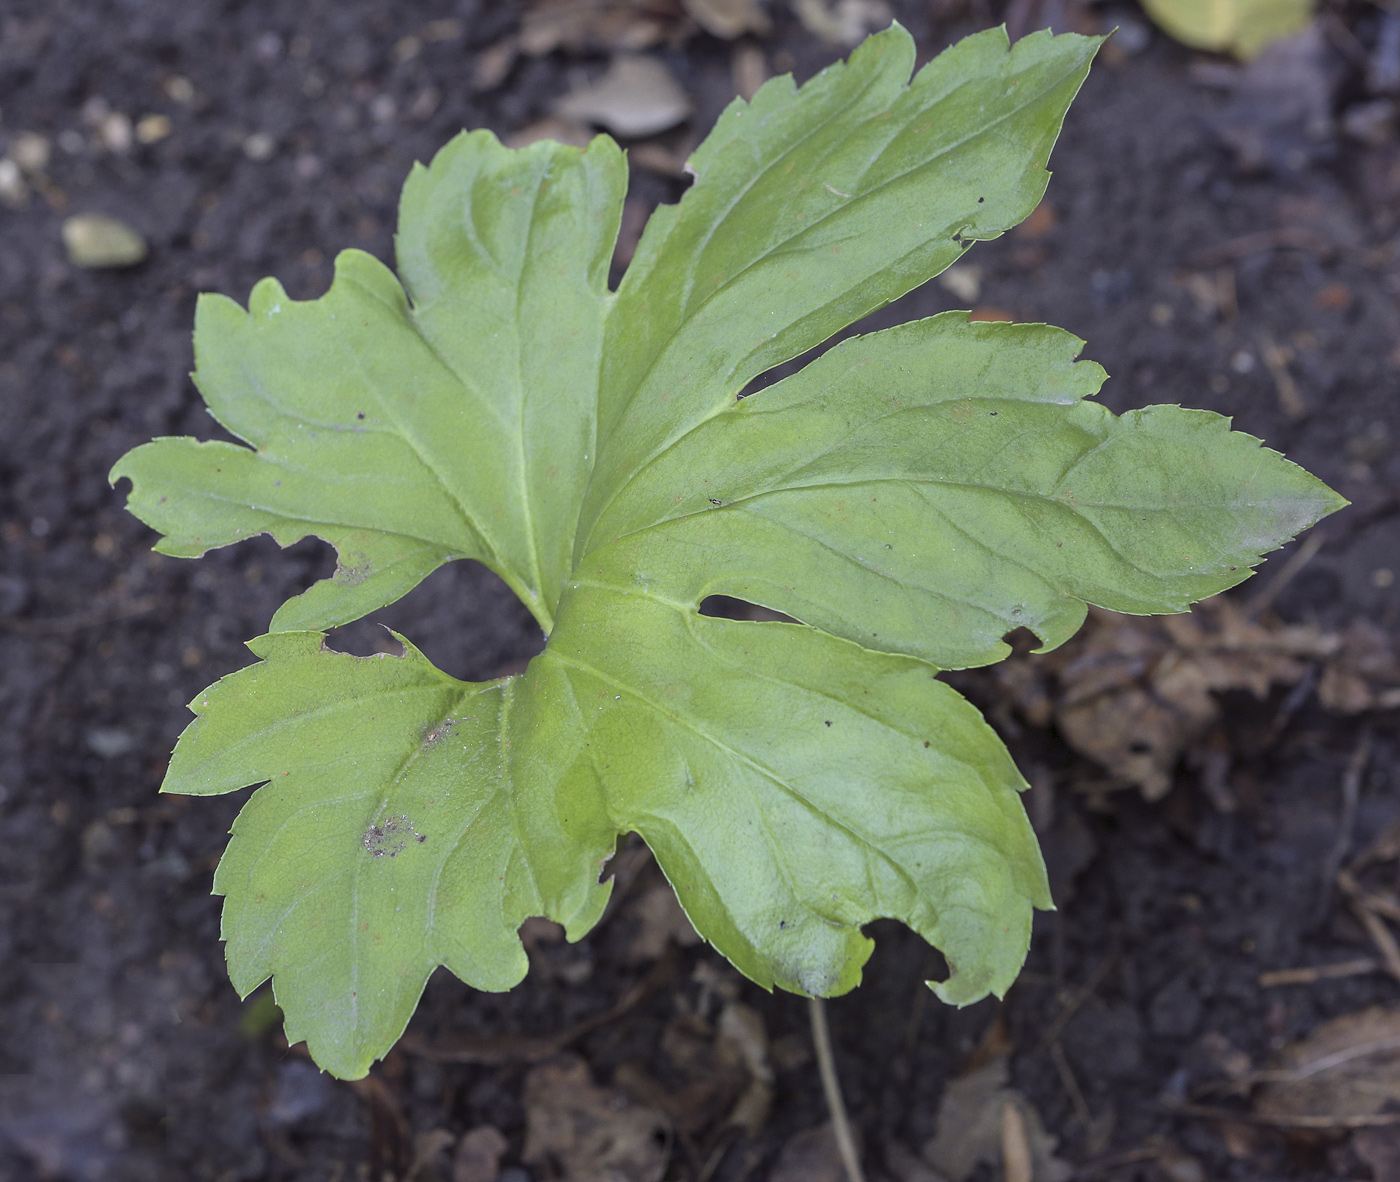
(1287, 237)
(1309, 974)
(1276, 361)
(1225, 293)
(1305, 1071)
(1081, 995)
(831, 1087)
(57, 625)
(1290, 570)
(1346, 822)
(1114, 1161)
(1211, 1112)
(1071, 1085)
(1373, 923)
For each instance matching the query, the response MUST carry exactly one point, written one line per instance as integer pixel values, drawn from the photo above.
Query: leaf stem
(534, 604)
(831, 1087)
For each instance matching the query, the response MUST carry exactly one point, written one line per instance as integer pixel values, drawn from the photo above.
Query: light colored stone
(96, 240)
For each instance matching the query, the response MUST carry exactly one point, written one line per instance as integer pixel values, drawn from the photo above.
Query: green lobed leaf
(911, 496)
(364, 406)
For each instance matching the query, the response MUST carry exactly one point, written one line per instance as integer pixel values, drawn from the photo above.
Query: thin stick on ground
(831, 1086)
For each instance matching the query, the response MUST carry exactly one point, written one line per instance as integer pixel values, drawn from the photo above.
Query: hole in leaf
(725, 607)
(1022, 641)
(464, 618)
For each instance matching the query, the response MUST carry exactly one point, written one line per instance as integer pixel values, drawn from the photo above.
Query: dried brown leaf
(728, 18)
(1136, 694)
(600, 26)
(974, 1128)
(658, 922)
(842, 22)
(478, 1155)
(1380, 1149)
(810, 1156)
(587, 1133)
(638, 96)
(1348, 1067)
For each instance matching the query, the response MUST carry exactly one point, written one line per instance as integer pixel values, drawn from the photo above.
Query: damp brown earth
(1215, 244)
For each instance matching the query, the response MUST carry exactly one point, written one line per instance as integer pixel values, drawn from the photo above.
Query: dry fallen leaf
(1346, 1069)
(638, 96)
(810, 1156)
(1365, 673)
(563, 131)
(478, 1155)
(724, 1074)
(982, 1120)
(594, 26)
(742, 1035)
(1379, 1148)
(587, 1133)
(1135, 694)
(842, 22)
(728, 18)
(749, 70)
(658, 922)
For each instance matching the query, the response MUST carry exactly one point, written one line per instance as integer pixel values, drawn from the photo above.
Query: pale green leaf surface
(911, 496)
(813, 207)
(743, 754)
(929, 488)
(348, 919)
(363, 407)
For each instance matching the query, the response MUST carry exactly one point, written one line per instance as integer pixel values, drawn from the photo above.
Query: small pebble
(115, 132)
(13, 191)
(151, 129)
(259, 146)
(96, 240)
(71, 140)
(1373, 123)
(382, 108)
(30, 151)
(95, 110)
(300, 1090)
(181, 90)
(110, 742)
(1131, 36)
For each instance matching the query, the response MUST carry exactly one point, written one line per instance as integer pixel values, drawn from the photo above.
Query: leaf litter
(588, 1133)
(637, 96)
(982, 1120)
(1137, 694)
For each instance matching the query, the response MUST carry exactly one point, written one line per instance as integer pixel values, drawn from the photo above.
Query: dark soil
(124, 1053)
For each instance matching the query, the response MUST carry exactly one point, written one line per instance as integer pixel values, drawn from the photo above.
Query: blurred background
(1217, 794)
